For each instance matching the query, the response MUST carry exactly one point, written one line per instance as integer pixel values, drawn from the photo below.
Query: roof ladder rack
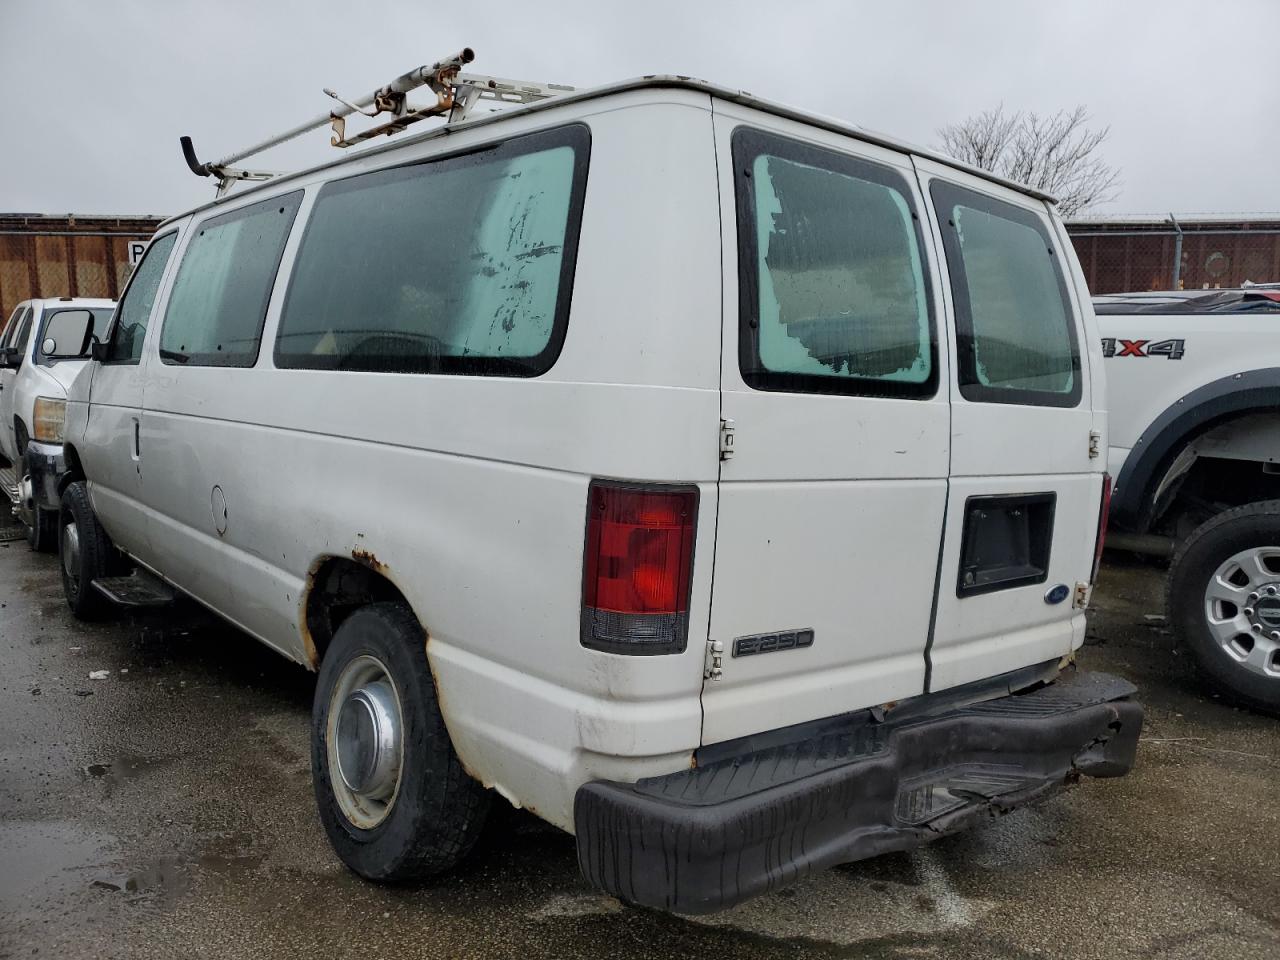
(456, 94)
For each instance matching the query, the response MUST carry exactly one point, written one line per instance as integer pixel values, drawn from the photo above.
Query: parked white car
(1194, 382)
(718, 482)
(44, 345)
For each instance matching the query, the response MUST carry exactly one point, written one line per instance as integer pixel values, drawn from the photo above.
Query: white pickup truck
(1193, 384)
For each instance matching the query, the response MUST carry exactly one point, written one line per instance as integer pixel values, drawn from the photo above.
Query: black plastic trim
(1132, 501)
(706, 839)
(1003, 502)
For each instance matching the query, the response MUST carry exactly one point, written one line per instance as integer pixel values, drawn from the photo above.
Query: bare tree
(1057, 153)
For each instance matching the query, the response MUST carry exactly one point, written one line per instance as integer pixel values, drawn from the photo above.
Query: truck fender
(1132, 504)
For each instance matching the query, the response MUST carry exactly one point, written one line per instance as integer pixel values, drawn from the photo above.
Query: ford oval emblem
(1057, 594)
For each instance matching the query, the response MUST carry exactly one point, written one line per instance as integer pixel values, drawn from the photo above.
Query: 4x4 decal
(1116, 347)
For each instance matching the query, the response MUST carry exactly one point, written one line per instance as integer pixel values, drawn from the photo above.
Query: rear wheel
(392, 794)
(1224, 602)
(85, 553)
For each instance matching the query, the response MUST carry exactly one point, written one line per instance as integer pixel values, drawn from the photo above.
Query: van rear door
(1025, 491)
(834, 384)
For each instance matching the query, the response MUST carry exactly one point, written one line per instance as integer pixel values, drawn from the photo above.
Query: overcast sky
(95, 93)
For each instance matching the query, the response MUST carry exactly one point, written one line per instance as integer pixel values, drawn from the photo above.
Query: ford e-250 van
(720, 483)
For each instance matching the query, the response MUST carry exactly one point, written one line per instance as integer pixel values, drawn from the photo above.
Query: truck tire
(393, 796)
(85, 553)
(1224, 602)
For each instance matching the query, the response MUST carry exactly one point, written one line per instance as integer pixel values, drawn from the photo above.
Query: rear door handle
(137, 440)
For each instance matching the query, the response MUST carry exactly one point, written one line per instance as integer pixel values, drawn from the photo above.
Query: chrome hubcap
(71, 550)
(1242, 607)
(365, 741)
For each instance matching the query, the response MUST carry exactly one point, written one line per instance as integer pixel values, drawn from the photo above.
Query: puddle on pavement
(122, 769)
(46, 858)
(843, 907)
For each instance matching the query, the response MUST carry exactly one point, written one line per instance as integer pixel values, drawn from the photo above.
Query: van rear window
(1014, 323)
(833, 290)
(457, 265)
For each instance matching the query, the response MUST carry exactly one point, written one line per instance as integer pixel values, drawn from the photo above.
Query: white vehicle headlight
(50, 415)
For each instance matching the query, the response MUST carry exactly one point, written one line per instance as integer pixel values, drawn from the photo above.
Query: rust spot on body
(366, 557)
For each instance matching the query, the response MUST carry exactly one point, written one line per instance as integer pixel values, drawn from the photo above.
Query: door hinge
(1095, 444)
(726, 439)
(1083, 592)
(713, 667)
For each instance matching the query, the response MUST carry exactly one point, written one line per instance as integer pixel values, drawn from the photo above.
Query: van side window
(134, 309)
(833, 288)
(1014, 324)
(456, 265)
(220, 295)
(10, 327)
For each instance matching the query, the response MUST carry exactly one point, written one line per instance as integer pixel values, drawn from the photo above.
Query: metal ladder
(456, 94)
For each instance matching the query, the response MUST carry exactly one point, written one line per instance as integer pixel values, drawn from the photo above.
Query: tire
(436, 811)
(91, 557)
(1232, 633)
(42, 535)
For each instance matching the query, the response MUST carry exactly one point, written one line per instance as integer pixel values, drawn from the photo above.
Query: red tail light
(1102, 526)
(638, 567)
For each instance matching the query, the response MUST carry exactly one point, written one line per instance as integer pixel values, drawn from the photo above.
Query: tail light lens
(1103, 514)
(638, 567)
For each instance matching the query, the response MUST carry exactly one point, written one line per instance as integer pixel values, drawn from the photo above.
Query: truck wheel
(393, 796)
(42, 531)
(85, 553)
(1224, 602)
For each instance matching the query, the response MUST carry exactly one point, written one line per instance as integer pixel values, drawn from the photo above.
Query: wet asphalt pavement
(166, 811)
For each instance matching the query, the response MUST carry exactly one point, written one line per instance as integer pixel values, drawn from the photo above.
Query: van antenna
(456, 94)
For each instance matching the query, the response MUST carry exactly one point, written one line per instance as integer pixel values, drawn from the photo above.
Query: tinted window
(833, 288)
(11, 327)
(24, 332)
(458, 265)
(134, 309)
(220, 295)
(1014, 324)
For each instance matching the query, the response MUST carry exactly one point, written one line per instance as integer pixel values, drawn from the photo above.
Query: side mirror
(66, 335)
(9, 359)
(98, 350)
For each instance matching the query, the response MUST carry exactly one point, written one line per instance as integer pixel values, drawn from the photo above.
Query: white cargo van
(720, 483)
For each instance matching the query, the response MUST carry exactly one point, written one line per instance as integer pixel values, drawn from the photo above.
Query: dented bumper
(745, 823)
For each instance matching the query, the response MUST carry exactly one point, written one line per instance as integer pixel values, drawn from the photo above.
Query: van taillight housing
(1102, 526)
(638, 567)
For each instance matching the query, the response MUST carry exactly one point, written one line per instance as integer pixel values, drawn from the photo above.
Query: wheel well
(74, 471)
(1225, 465)
(336, 588)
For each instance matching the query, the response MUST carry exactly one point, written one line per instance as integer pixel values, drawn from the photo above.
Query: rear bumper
(708, 838)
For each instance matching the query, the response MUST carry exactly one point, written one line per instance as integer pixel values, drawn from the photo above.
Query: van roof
(654, 81)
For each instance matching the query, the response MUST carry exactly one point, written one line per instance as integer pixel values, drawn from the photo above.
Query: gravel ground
(166, 811)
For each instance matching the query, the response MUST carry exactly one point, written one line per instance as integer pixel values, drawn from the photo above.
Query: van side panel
(469, 493)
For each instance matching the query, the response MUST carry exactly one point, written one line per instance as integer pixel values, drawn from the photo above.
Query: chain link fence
(65, 256)
(1121, 259)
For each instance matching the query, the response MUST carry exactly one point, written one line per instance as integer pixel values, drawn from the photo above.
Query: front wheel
(85, 553)
(1224, 602)
(393, 796)
(42, 530)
